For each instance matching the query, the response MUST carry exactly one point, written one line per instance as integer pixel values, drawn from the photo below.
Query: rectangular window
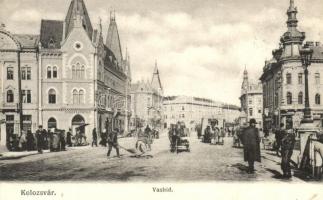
(23, 73)
(289, 78)
(300, 78)
(26, 118)
(250, 112)
(28, 73)
(10, 118)
(26, 96)
(10, 73)
(250, 101)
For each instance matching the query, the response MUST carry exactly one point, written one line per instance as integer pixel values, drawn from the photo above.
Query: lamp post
(307, 127)
(306, 57)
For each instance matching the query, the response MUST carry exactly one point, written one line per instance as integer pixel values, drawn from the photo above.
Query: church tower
(155, 82)
(244, 86)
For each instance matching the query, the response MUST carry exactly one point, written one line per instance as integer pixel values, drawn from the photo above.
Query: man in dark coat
(251, 145)
(287, 146)
(40, 134)
(113, 142)
(69, 138)
(94, 138)
(30, 141)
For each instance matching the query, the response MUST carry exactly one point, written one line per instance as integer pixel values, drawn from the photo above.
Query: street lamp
(306, 57)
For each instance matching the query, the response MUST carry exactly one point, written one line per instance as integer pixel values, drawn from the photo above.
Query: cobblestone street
(205, 162)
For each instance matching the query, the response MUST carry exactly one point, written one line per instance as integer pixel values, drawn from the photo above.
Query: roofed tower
(113, 39)
(244, 85)
(155, 82)
(77, 16)
(292, 38)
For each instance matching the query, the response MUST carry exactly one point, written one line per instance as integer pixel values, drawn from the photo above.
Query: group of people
(251, 143)
(175, 132)
(213, 135)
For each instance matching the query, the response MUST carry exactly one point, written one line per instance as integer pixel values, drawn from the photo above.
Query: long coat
(251, 144)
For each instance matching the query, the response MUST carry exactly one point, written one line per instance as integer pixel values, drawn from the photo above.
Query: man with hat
(251, 145)
(40, 135)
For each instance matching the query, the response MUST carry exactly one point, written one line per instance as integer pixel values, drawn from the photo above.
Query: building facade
(191, 110)
(251, 100)
(64, 77)
(284, 82)
(147, 101)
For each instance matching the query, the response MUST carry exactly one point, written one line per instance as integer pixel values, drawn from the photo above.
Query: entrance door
(77, 121)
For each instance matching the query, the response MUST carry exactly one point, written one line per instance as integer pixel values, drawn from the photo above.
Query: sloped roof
(27, 40)
(113, 40)
(317, 52)
(77, 7)
(51, 33)
(155, 82)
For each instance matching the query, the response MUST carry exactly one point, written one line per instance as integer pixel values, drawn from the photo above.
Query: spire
(291, 13)
(113, 39)
(155, 82)
(77, 16)
(245, 73)
(292, 35)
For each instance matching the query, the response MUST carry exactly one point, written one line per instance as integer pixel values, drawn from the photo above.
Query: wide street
(205, 162)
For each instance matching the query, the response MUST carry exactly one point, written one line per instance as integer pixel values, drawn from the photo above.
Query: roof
(51, 33)
(27, 40)
(78, 8)
(113, 40)
(317, 52)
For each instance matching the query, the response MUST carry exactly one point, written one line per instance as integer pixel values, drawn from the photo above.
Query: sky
(201, 46)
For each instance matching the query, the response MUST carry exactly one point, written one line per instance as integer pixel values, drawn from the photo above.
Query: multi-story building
(147, 101)
(284, 82)
(64, 77)
(191, 110)
(251, 100)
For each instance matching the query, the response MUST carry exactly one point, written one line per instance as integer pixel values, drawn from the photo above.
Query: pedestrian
(278, 136)
(40, 133)
(251, 147)
(104, 135)
(113, 142)
(287, 146)
(30, 141)
(207, 135)
(62, 140)
(94, 138)
(23, 141)
(69, 137)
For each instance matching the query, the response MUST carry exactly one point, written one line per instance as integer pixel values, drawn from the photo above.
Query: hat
(40, 126)
(252, 121)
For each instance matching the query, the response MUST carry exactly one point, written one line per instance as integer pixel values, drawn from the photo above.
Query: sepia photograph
(133, 92)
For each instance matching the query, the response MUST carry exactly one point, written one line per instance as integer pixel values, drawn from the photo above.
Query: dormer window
(51, 43)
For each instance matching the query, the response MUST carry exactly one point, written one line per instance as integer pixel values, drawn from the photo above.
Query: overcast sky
(201, 46)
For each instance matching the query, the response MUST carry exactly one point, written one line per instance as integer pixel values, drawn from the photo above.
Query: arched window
(317, 99)
(75, 97)
(78, 70)
(10, 96)
(52, 123)
(317, 78)
(289, 98)
(73, 72)
(49, 72)
(52, 96)
(82, 72)
(300, 98)
(55, 72)
(288, 78)
(81, 97)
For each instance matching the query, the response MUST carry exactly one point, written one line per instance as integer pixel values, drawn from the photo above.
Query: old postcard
(161, 99)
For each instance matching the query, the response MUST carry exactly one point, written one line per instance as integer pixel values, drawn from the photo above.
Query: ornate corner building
(283, 79)
(64, 77)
